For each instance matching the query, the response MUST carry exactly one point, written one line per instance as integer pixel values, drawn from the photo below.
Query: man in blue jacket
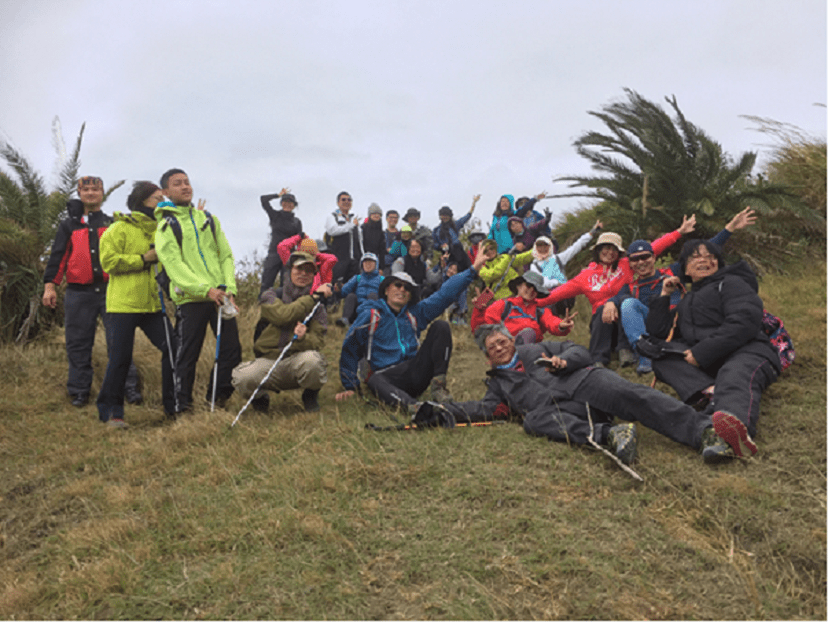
(386, 333)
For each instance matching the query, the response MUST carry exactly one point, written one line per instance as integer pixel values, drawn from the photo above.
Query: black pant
(739, 382)
(191, 323)
(82, 307)
(402, 383)
(603, 338)
(120, 331)
(608, 396)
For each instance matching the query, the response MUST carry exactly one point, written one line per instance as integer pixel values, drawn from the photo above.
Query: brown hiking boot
(439, 390)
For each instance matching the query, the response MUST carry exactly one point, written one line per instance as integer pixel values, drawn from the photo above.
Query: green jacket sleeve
(114, 258)
(228, 265)
(170, 254)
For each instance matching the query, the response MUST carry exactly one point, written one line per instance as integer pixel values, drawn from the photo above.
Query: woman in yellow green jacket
(132, 300)
(497, 265)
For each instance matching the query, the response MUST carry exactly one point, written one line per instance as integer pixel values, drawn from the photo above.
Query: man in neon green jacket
(132, 301)
(199, 263)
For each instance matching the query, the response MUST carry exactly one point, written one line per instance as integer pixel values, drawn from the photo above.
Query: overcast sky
(400, 103)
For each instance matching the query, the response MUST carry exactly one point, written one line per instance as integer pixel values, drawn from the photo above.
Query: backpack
(780, 339)
(171, 221)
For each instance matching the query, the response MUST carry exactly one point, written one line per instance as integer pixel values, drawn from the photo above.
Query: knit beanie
(308, 245)
(374, 209)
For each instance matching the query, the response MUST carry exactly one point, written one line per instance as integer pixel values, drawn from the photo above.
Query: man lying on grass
(386, 333)
(549, 385)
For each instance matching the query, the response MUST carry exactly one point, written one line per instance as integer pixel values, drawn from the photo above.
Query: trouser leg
(687, 380)
(303, 370)
(600, 338)
(404, 382)
(120, 330)
(190, 327)
(81, 311)
(229, 356)
(153, 325)
(271, 269)
(633, 315)
(349, 307)
(567, 422)
(607, 391)
(739, 386)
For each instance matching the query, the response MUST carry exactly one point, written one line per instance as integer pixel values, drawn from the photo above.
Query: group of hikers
(698, 324)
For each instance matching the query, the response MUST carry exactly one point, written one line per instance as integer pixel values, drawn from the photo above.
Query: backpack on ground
(780, 339)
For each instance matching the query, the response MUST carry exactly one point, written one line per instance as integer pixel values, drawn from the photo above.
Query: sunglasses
(637, 258)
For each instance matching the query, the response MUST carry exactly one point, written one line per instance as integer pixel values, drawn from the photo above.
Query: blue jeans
(633, 315)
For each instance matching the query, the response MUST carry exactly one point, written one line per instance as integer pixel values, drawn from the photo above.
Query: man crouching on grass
(549, 385)
(386, 333)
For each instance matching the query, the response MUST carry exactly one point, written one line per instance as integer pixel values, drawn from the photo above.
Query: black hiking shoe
(309, 400)
(261, 403)
(714, 449)
(623, 440)
(80, 400)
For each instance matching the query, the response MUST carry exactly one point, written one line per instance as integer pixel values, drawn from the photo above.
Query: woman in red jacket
(521, 315)
(602, 279)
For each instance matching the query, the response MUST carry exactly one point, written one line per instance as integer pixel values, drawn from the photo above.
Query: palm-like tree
(656, 168)
(29, 216)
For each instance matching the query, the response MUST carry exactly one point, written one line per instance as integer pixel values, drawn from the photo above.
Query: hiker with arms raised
(386, 334)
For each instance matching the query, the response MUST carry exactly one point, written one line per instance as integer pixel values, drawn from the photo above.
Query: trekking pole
(166, 322)
(215, 362)
(275, 363)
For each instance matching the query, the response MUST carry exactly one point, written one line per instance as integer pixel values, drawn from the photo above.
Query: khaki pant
(303, 370)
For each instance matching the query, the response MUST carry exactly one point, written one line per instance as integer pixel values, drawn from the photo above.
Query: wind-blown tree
(29, 216)
(655, 168)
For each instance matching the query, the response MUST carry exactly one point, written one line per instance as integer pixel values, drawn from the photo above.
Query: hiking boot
(80, 400)
(341, 321)
(439, 390)
(645, 366)
(714, 449)
(627, 357)
(309, 400)
(261, 403)
(118, 424)
(133, 396)
(735, 433)
(623, 440)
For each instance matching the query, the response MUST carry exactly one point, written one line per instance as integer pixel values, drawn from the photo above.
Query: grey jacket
(524, 391)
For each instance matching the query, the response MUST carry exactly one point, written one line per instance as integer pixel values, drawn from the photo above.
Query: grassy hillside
(295, 515)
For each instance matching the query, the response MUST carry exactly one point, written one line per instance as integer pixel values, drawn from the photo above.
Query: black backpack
(171, 221)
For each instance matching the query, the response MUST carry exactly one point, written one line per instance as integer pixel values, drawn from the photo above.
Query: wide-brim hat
(609, 238)
(532, 279)
(405, 278)
(412, 211)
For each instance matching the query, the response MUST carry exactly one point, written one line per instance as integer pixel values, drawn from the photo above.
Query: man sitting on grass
(549, 385)
(386, 333)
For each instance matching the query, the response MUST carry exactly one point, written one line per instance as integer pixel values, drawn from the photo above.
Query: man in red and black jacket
(76, 255)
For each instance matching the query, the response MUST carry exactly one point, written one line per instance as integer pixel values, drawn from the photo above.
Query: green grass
(296, 515)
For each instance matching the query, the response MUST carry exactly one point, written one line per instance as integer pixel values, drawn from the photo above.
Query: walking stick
(166, 321)
(275, 363)
(508, 267)
(215, 363)
(359, 236)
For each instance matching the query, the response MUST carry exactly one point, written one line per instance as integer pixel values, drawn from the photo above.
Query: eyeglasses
(346, 200)
(497, 344)
(638, 258)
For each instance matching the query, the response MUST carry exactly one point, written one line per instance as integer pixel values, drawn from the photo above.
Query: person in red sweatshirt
(602, 279)
(525, 320)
